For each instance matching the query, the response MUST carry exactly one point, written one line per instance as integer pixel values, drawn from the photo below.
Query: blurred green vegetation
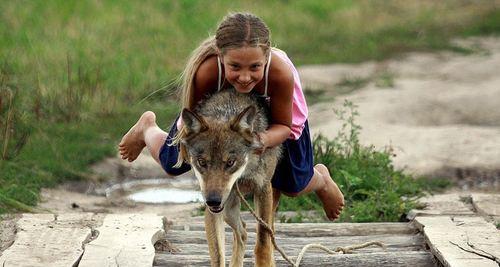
(74, 75)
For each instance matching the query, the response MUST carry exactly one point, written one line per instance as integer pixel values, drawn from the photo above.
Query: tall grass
(67, 66)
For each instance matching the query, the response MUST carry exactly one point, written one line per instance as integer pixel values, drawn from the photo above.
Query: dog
(220, 141)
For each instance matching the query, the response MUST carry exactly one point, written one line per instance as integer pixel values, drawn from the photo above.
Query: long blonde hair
(235, 31)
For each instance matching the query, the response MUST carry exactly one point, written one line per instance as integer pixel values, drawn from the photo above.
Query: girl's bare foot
(132, 142)
(330, 195)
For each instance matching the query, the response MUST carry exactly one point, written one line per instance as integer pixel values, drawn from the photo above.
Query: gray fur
(220, 108)
(221, 140)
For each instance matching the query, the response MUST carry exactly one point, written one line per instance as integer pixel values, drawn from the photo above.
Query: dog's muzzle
(216, 209)
(214, 202)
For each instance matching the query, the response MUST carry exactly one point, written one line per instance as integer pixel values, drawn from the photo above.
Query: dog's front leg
(214, 229)
(233, 218)
(263, 246)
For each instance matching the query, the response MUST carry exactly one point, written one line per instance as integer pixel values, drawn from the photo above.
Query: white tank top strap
(267, 72)
(220, 74)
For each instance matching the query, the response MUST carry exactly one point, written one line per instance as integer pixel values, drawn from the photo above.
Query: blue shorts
(293, 172)
(296, 167)
(170, 153)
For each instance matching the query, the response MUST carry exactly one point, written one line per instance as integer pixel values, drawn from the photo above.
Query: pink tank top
(299, 105)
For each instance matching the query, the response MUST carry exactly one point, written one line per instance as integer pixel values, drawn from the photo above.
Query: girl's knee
(171, 174)
(176, 171)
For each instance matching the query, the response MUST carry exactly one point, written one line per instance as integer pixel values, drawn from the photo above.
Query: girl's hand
(274, 136)
(259, 145)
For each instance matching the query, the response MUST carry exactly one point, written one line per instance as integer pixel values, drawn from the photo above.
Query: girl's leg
(145, 133)
(326, 190)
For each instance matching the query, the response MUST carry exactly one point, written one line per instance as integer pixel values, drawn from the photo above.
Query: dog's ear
(194, 123)
(243, 123)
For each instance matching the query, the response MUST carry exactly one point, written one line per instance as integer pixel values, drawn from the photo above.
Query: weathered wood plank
(386, 259)
(194, 250)
(487, 205)
(124, 240)
(443, 230)
(48, 240)
(8, 230)
(247, 216)
(445, 204)
(291, 249)
(321, 229)
(198, 237)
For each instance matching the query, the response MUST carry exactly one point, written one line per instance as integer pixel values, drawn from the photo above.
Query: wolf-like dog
(220, 141)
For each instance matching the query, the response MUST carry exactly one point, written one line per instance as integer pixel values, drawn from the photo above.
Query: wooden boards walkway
(124, 240)
(452, 231)
(48, 240)
(456, 228)
(84, 239)
(453, 238)
(405, 246)
(127, 240)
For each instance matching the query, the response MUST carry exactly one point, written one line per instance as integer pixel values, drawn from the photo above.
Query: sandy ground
(442, 116)
(88, 197)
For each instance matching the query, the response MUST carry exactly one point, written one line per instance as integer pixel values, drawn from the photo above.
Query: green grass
(127, 50)
(63, 151)
(67, 67)
(350, 84)
(384, 79)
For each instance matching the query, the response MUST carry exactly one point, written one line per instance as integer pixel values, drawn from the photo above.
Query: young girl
(240, 56)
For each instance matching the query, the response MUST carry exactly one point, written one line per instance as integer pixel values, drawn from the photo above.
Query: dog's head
(219, 152)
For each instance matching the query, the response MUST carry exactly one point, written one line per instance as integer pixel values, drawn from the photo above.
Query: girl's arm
(205, 80)
(280, 91)
(274, 135)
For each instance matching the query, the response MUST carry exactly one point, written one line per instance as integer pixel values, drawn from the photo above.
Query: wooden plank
(386, 259)
(292, 250)
(48, 240)
(321, 229)
(193, 250)
(445, 204)
(7, 230)
(442, 231)
(198, 237)
(487, 205)
(317, 216)
(124, 240)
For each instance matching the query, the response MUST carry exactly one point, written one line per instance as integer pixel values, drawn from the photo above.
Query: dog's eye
(230, 163)
(202, 162)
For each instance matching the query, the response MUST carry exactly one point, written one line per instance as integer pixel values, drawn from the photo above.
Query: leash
(337, 250)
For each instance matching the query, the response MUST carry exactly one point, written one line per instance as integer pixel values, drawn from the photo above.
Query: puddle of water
(166, 195)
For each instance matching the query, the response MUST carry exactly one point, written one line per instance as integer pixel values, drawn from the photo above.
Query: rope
(337, 250)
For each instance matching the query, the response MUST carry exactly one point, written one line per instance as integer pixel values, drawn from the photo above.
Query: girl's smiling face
(244, 67)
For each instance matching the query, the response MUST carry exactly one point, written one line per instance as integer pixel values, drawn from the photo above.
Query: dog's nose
(213, 200)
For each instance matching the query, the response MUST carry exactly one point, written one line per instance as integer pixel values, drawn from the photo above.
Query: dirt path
(441, 114)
